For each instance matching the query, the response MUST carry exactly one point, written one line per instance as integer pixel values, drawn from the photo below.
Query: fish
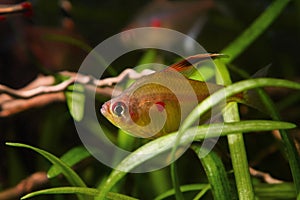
(8, 9)
(177, 15)
(187, 17)
(156, 104)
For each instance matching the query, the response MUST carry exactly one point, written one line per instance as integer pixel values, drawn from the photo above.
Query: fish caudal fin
(253, 100)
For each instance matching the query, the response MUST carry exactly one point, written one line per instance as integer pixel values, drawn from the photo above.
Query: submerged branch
(42, 90)
(33, 182)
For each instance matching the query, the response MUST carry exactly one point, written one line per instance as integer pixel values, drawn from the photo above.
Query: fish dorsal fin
(186, 67)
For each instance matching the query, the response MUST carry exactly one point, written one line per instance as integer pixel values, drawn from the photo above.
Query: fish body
(187, 17)
(177, 15)
(156, 104)
(24, 7)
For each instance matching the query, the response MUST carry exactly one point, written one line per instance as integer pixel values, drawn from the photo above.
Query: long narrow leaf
(75, 100)
(69, 173)
(231, 90)
(216, 174)
(77, 190)
(183, 188)
(162, 144)
(289, 145)
(214, 100)
(255, 30)
(71, 158)
(236, 143)
(275, 191)
(175, 181)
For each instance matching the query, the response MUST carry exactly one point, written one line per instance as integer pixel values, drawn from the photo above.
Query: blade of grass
(236, 143)
(255, 30)
(202, 192)
(167, 142)
(183, 188)
(69, 173)
(216, 174)
(160, 180)
(159, 146)
(75, 99)
(238, 156)
(175, 181)
(275, 191)
(77, 190)
(71, 158)
(231, 90)
(288, 144)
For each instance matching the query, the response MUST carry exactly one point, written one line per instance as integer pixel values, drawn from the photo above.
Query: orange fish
(156, 104)
(188, 17)
(24, 7)
(177, 15)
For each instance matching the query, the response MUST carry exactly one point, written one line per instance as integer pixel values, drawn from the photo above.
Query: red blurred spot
(2, 18)
(155, 22)
(160, 106)
(28, 7)
(134, 116)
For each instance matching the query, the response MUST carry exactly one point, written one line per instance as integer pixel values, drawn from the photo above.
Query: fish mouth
(105, 109)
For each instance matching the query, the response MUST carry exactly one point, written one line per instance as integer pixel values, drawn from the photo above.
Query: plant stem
(216, 174)
(262, 22)
(236, 142)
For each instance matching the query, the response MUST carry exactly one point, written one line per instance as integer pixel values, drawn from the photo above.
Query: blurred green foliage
(51, 128)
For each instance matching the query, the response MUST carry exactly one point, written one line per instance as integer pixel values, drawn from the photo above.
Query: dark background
(51, 127)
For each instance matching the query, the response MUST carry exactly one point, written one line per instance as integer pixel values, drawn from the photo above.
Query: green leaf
(241, 167)
(216, 174)
(175, 181)
(148, 57)
(255, 30)
(75, 100)
(71, 158)
(217, 97)
(183, 188)
(275, 191)
(236, 143)
(288, 146)
(71, 175)
(167, 142)
(77, 190)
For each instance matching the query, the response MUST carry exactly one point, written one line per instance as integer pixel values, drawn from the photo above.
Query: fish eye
(119, 108)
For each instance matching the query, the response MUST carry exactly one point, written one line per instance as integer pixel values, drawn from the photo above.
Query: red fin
(2, 18)
(186, 65)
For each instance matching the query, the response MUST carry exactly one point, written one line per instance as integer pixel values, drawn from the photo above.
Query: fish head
(116, 111)
(139, 114)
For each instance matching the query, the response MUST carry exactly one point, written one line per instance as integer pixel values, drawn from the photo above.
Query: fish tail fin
(252, 99)
(262, 72)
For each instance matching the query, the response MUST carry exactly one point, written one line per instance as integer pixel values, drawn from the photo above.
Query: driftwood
(33, 182)
(42, 90)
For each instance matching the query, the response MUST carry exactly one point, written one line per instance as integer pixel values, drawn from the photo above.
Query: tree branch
(33, 182)
(264, 176)
(41, 91)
